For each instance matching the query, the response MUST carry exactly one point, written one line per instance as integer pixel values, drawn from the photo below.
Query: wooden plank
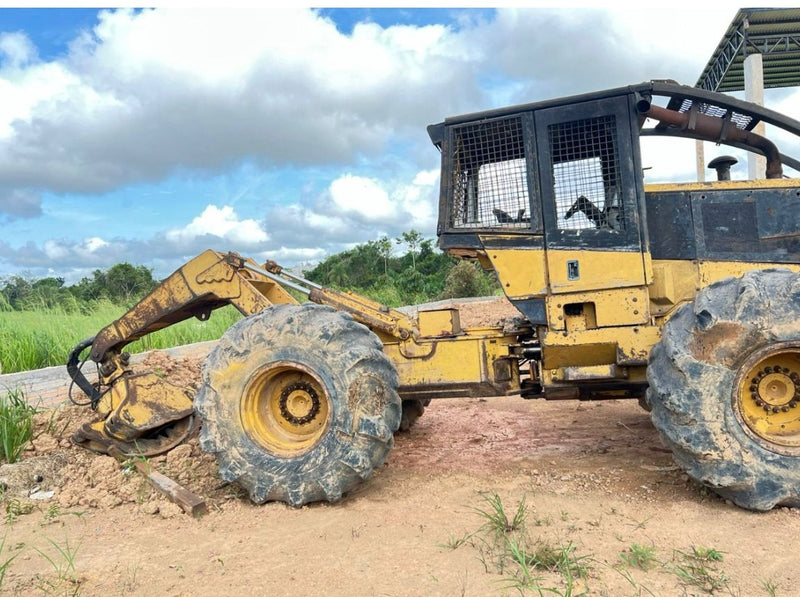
(188, 501)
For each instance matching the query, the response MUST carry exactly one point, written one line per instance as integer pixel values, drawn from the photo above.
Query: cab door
(590, 176)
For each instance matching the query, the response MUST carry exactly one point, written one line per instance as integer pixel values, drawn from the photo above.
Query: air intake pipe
(717, 130)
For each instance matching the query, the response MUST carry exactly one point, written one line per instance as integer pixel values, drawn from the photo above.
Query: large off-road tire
(725, 388)
(299, 404)
(412, 410)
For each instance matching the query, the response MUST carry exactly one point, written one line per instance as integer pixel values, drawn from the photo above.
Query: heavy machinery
(683, 295)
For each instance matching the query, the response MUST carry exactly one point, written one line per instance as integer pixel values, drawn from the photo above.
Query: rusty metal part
(145, 415)
(209, 281)
(718, 130)
(377, 317)
(92, 436)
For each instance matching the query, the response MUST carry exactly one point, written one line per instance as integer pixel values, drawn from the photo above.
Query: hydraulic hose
(74, 370)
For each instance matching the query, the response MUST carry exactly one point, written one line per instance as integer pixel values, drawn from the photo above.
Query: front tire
(299, 404)
(725, 388)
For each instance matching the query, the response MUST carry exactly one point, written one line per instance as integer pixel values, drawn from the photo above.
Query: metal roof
(772, 32)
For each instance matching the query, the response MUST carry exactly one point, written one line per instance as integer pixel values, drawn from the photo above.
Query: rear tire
(299, 404)
(725, 388)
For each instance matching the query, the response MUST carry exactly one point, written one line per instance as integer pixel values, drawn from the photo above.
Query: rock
(42, 495)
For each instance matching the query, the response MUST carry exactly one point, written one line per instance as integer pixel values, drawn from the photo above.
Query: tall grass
(16, 424)
(35, 339)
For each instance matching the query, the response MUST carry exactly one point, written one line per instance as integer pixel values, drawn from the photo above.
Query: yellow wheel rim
(768, 397)
(285, 408)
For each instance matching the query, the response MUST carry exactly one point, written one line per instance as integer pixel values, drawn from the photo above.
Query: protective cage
(585, 161)
(489, 176)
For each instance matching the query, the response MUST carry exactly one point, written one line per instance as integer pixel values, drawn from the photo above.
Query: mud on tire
(725, 386)
(299, 404)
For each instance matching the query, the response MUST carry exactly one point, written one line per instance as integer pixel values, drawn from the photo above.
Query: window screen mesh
(490, 187)
(586, 174)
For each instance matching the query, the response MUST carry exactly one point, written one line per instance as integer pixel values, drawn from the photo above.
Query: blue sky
(283, 133)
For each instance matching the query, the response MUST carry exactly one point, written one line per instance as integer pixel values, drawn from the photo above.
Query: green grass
(16, 424)
(642, 557)
(5, 559)
(496, 521)
(35, 339)
(63, 564)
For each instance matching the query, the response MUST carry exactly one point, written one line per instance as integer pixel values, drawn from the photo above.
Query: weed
(54, 427)
(698, 569)
(770, 587)
(454, 542)
(16, 424)
(5, 562)
(53, 512)
(496, 519)
(63, 564)
(637, 587)
(130, 583)
(638, 524)
(15, 508)
(706, 554)
(561, 559)
(638, 556)
(25, 344)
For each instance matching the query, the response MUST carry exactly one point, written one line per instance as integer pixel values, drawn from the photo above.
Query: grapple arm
(209, 281)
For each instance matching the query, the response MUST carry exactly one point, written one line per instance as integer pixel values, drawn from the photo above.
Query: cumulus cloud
(133, 102)
(170, 92)
(362, 198)
(145, 93)
(221, 223)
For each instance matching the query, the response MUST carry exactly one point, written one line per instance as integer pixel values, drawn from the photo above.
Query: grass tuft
(16, 424)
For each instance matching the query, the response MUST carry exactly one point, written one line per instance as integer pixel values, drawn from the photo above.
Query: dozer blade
(152, 417)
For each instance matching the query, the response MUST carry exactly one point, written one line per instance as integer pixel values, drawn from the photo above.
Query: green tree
(412, 240)
(467, 280)
(384, 246)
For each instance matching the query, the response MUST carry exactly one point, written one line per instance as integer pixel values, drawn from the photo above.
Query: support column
(754, 92)
(701, 159)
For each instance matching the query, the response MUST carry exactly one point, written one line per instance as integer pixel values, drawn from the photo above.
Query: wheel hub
(285, 408)
(299, 403)
(775, 389)
(767, 397)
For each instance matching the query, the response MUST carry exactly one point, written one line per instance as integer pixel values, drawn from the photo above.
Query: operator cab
(552, 196)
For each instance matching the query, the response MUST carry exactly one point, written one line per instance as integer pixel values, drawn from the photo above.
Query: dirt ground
(595, 481)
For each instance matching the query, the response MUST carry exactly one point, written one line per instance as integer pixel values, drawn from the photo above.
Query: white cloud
(149, 92)
(361, 197)
(222, 223)
(16, 50)
(174, 92)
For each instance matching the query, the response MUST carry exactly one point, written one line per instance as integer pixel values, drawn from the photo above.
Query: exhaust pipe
(717, 130)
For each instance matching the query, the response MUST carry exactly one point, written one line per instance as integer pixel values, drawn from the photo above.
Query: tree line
(420, 273)
(121, 284)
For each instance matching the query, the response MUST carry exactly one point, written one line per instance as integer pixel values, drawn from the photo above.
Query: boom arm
(210, 281)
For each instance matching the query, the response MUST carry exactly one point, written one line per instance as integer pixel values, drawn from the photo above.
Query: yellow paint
(730, 185)
(466, 359)
(439, 322)
(521, 272)
(285, 408)
(597, 270)
(766, 399)
(608, 308)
